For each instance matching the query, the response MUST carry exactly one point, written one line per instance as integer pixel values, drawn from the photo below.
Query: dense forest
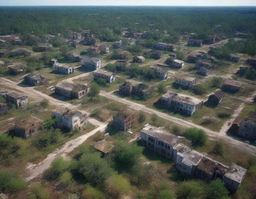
(42, 20)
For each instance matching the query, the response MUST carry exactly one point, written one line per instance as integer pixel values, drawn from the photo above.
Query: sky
(129, 2)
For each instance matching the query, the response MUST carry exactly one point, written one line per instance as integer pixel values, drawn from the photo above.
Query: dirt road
(38, 169)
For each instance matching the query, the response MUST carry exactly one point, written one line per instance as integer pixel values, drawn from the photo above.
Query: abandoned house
(180, 103)
(160, 73)
(69, 119)
(124, 120)
(138, 59)
(18, 99)
(117, 44)
(71, 90)
(184, 81)
(232, 86)
(195, 42)
(126, 88)
(104, 49)
(164, 46)
(27, 127)
(72, 57)
(90, 64)
(202, 71)
(234, 177)
(3, 108)
(34, 79)
(252, 62)
(158, 140)
(194, 56)
(62, 68)
(234, 58)
(177, 63)
(104, 75)
(16, 68)
(215, 98)
(210, 39)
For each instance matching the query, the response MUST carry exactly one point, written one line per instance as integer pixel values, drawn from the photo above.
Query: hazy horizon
(181, 3)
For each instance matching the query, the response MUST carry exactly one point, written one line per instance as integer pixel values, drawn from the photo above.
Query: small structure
(138, 59)
(232, 86)
(34, 79)
(181, 103)
(161, 73)
(158, 140)
(69, 119)
(3, 108)
(247, 128)
(104, 49)
(215, 98)
(203, 63)
(124, 119)
(142, 91)
(20, 52)
(117, 44)
(126, 88)
(234, 58)
(105, 75)
(177, 63)
(72, 57)
(18, 99)
(27, 127)
(71, 90)
(62, 68)
(234, 177)
(90, 63)
(252, 62)
(184, 81)
(194, 56)
(16, 68)
(210, 39)
(163, 46)
(104, 147)
(43, 47)
(202, 71)
(195, 42)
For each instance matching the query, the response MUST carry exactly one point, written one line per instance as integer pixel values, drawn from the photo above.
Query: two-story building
(62, 68)
(124, 120)
(69, 119)
(158, 140)
(105, 75)
(71, 90)
(18, 99)
(184, 81)
(34, 79)
(90, 64)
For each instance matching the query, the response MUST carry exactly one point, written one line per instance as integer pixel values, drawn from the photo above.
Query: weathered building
(247, 128)
(142, 91)
(69, 119)
(177, 63)
(164, 46)
(126, 88)
(195, 42)
(117, 44)
(194, 56)
(215, 98)
(158, 140)
(71, 90)
(234, 177)
(180, 103)
(230, 85)
(16, 68)
(184, 81)
(104, 147)
(124, 120)
(90, 63)
(104, 49)
(160, 73)
(3, 108)
(27, 127)
(105, 75)
(18, 99)
(34, 79)
(62, 68)
(138, 59)
(252, 62)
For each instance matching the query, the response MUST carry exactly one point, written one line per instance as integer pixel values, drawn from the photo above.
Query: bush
(197, 136)
(125, 156)
(58, 167)
(141, 117)
(190, 190)
(94, 90)
(10, 182)
(39, 192)
(117, 185)
(93, 169)
(216, 82)
(217, 190)
(218, 148)
(92, 193)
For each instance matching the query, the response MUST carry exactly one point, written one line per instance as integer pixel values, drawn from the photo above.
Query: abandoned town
(127, 103)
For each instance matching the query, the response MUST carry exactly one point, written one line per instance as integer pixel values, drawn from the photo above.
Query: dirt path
(38, 169)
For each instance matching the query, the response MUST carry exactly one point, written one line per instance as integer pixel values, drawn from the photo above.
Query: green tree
(92, 193)
(218, 148)
(217, 190)
(58, 167)
(93, 169)
(190, 190)
(10, 182)
(141, 117)
(117, 185)
(125, 156)
(197, 136)
(94, 90)
(38, 192)
(166, 194)
(161, 88)
(200, 89)
(216, 82)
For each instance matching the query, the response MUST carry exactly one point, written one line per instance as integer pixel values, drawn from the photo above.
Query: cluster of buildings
(190, 162)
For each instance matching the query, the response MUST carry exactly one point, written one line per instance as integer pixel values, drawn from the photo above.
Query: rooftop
(185, 77)
(160, 133)
(191, 157)
(124, 114)
(71, 86)
(232, 82)
(236, 173)
(101, 71)
(182, 98)
(28, 122)
(103, 146)
(67, 112)
(16, 95)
